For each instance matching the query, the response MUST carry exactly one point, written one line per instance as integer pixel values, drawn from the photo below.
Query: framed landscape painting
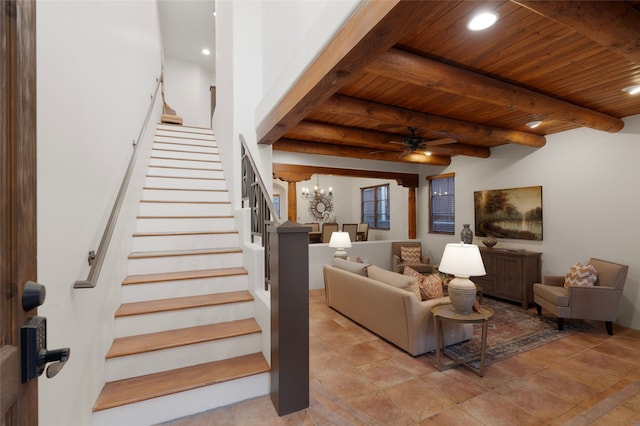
(509, 213)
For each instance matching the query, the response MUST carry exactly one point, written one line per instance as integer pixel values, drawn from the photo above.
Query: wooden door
(18, 402)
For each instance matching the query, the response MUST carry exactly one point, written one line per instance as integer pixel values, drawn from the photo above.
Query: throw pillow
(430, 285)
(355, 267)
(581, 275)
(397, 280)
(410, 254)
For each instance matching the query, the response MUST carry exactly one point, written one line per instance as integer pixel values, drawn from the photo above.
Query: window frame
(376, 204)
(452, 212)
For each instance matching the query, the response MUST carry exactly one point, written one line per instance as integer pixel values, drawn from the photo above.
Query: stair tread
(184, 202)
(187, 252)
(187, 144)
(141, 343)
(185, 151)
(186, 217)
(184, 159)
(183, 275)
(179, 303)
(183, 189)
(183, 177)
(158, 166)
(178, 233)
(142, 388)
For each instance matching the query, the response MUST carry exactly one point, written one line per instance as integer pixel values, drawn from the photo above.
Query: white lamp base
(340, 253)
(462, 292)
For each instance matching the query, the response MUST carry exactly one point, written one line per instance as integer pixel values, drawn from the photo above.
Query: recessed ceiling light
(206, 51)
(534, 124)
(632, 90)
(482, 21)
(427, 153)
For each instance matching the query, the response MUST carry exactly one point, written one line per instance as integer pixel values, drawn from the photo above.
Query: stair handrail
(263, 212)
(96, 258)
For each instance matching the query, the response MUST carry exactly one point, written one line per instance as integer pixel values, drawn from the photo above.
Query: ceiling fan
(414, 142)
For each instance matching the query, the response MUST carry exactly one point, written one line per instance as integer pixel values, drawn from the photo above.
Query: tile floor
(587, 378)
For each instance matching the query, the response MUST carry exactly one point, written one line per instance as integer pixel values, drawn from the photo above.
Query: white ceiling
(187, 27)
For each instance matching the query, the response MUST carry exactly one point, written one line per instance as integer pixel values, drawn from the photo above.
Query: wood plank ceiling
(563, 63)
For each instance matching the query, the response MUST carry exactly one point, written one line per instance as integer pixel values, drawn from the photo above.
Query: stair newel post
(289, 267)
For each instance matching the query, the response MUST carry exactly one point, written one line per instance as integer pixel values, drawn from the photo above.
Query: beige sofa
(394, 314)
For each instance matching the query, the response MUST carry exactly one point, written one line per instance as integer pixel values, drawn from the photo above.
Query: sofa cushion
(397, 280)
(581, 275)
(410, 254)
(430, 285)
(355, 267)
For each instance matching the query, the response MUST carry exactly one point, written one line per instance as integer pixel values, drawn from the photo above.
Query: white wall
(186, 90)
(97, 67)
(591, 200)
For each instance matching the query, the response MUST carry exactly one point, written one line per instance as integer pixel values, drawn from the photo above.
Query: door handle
(33, 339)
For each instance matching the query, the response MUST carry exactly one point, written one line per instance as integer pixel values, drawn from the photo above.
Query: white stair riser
(178, 195)
(190, 132)
(185, 224)
(183, 155)
(184, 163)
(170, 320)
(167, 171)
(181, 183)
(186, 137)
(183, 288)
(185, 209)
(185, 242)
(165, 408)
(196, 147)
(157, 265)
(179, 357)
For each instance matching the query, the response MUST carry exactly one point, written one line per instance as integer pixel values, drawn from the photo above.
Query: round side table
(446, 313)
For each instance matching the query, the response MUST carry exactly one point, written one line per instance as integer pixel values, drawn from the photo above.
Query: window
(375, 206)
(276, 203)
(442, 204)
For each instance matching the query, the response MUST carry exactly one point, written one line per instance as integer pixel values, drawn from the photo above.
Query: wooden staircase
(185, 337)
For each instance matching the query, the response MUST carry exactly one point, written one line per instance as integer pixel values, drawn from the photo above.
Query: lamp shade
(340, 240)
(462, 260)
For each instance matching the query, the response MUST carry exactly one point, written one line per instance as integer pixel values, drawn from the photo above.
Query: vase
(466, 236)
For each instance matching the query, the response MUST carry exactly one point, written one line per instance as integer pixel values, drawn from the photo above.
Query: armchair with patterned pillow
(409, 253)
(590, 291)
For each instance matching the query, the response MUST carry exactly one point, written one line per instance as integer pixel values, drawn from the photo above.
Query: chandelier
(320, 203)
(317, 192)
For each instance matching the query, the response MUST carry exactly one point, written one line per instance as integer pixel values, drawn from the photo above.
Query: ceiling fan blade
(397, 143)
(378, 151)
(438, 142)
(405, 154)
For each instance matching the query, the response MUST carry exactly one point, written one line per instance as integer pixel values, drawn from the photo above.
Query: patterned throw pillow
(430, 285)
(410, 254)
(581, 275)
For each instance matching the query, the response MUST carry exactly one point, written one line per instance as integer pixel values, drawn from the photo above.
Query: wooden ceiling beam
(612, 24)
(433, 125)
(297, 173)
(421, 71)
(306, 147)
(328, 133)
(373, 28)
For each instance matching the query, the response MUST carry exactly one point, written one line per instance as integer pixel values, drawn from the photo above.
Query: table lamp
(463, 261)
(340, 241)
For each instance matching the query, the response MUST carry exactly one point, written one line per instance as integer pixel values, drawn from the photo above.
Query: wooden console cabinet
(510, 274)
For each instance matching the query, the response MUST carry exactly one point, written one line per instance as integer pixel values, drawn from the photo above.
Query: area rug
(513, 330)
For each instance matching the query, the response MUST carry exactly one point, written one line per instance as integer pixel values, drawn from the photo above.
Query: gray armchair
(398, 264)
(599, 302)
